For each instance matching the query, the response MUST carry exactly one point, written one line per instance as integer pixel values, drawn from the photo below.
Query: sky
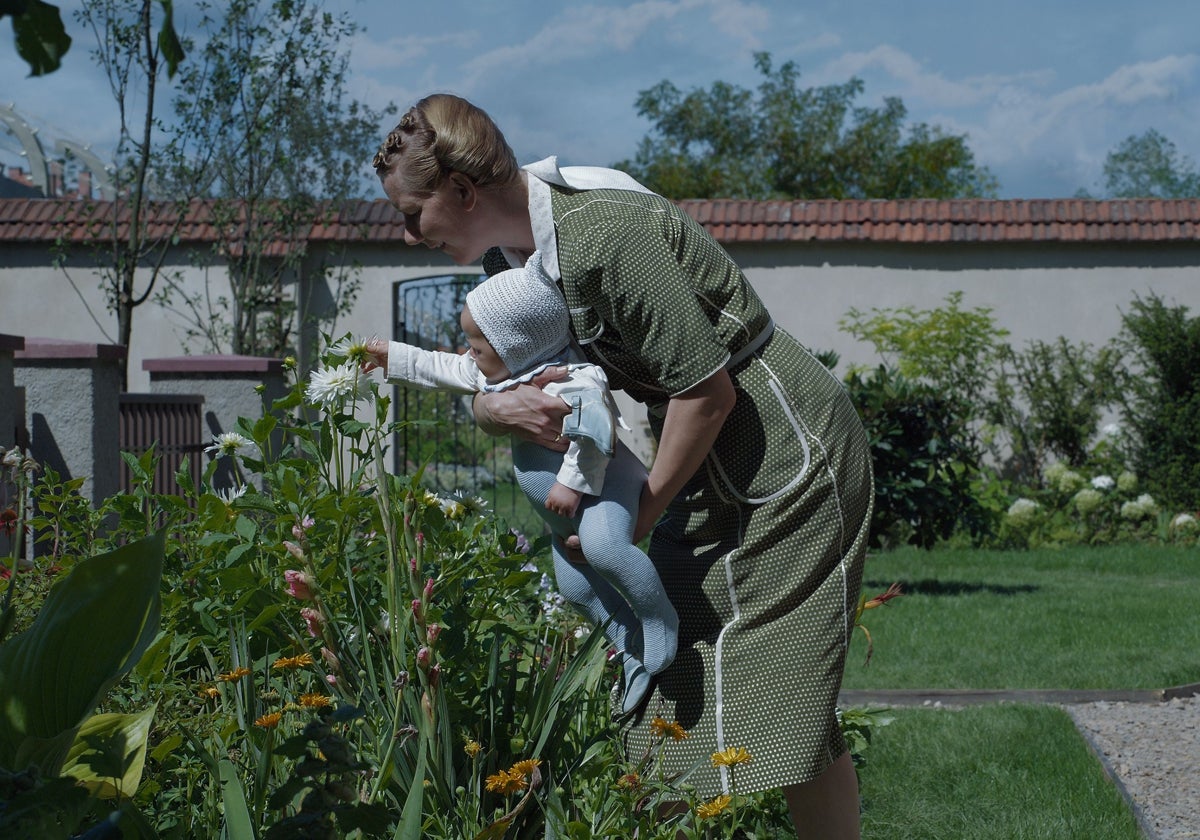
(1042, 89)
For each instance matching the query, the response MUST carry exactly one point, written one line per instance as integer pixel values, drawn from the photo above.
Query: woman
(761, 486)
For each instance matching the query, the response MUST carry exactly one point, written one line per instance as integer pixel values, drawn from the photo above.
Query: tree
(41, 39)
(132, 58)
(1149, 166)
(264, 130)
(787, 142)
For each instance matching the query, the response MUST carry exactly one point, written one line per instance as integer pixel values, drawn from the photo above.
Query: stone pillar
(72, 412)
(230, 387)
(10, 412)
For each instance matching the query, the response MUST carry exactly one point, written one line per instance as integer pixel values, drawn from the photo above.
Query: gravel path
(1153, 750)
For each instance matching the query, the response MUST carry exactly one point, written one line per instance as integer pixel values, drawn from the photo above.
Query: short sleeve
(632, 275)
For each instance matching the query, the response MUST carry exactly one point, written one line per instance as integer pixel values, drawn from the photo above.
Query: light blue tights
(618, 588)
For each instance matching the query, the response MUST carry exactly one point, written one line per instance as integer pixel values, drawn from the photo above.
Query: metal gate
(173, 424)
(438, 431)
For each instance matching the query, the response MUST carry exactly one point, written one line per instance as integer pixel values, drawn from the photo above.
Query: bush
(1048, 401)
(926, 468)
(1161, 398)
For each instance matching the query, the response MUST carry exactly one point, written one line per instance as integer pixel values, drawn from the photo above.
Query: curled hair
(442, 134)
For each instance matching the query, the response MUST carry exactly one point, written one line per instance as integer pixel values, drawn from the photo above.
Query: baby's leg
(606, 528)
(581, 585)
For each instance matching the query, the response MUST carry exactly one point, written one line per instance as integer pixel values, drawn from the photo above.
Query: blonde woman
(760, 493)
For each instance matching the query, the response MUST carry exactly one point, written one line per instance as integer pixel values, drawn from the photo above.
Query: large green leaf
(92, 629)
(109, 753)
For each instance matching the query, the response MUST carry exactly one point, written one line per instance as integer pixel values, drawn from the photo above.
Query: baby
(517, 326)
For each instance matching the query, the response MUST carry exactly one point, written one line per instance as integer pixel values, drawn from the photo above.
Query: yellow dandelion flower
(659, 728)
(472, 748)
(209, 692)
(269, 721)
(713, 807)
(315, 700)
(730, 757)
(506, 782)
(285, 663)
(526, 767)
(234, 675)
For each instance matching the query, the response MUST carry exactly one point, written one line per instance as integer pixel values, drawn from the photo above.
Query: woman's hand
(525, 411)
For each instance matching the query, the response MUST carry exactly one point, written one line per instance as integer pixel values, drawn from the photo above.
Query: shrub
(1048, 400)
(926, 469)
(1161, 398)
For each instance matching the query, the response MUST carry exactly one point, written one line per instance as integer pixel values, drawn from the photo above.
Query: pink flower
(313, 619)
(303, 525)
(428, 594)
(432, 633)
(423, 658)
(299, 584)
(418, 614)
(293, 549)
(331, 679)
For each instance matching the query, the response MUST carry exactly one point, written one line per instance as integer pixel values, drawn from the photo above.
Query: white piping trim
(612, 201)
(801, 435)
(718, 669)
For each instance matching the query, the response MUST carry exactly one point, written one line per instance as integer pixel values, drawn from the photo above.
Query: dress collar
(541, 175)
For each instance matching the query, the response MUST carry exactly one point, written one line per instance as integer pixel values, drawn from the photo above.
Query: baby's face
(481, 351)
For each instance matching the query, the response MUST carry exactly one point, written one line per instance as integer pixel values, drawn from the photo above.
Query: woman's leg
(827, 807)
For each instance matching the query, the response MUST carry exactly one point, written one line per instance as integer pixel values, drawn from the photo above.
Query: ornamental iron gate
(438, 430)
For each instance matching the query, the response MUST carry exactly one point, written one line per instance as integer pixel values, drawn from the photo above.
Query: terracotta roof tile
(730, 221)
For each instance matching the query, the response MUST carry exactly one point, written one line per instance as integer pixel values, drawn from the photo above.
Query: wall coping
(213, 364)
(37, 349)
(11, 342)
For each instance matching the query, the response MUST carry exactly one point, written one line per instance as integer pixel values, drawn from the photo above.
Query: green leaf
(238, 825)
(93, 628)
(109, 753)
(42, 40)
(409, 827)
(168, 40)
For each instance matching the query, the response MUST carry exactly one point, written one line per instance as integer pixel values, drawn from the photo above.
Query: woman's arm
(694, 419)
(526, 411)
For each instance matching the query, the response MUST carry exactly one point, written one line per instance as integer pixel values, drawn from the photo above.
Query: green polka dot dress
(762, 551)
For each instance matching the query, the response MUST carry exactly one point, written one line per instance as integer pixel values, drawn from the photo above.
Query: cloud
(911, 81)
(583, 32)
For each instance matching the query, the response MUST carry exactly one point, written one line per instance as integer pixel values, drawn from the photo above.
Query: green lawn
(1080, 618)
(1003, 772)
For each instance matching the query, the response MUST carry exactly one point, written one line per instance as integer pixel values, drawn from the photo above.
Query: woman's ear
(465, 190)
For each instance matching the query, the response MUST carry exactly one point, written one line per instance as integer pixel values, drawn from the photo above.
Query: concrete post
(72, 411)
(10, 413)
(9, 407)
(230, 387)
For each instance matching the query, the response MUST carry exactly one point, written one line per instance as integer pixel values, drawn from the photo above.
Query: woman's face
(442, 221)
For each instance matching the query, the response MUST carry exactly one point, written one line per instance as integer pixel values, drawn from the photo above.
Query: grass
(1080, 618)
(1004, 772)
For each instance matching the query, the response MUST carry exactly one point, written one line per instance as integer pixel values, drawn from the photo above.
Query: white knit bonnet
(523, 315)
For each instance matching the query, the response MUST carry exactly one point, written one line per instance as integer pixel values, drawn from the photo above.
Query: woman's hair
(442, 134)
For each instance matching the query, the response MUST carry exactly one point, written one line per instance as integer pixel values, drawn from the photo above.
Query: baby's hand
(563, 500)
(377, 355)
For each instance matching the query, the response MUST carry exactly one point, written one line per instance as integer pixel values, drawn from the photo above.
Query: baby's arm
(563, 500)
(421, 368)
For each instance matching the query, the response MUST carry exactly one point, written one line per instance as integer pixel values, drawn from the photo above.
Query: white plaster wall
(1035, 291)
